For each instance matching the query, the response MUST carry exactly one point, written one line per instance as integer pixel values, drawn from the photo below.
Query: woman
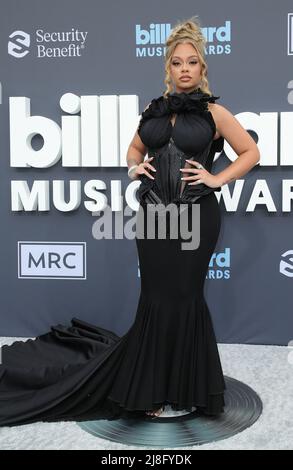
(179, 127)
(169, 355)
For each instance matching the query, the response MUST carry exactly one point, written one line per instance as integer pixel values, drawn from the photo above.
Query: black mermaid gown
(169, 355)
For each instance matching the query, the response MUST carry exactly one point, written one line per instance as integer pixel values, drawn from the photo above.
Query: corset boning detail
(191, 137)
(167, 185)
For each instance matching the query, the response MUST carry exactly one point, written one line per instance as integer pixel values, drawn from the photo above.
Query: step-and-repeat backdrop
(75, 77)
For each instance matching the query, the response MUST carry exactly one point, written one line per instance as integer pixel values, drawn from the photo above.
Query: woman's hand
(141, 169)
(200, 175)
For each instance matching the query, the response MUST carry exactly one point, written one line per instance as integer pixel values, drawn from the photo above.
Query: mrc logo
(51, 260)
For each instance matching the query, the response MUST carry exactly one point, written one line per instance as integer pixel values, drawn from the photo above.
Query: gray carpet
(264, 368)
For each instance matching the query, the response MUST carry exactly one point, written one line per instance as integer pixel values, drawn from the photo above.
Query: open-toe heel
(161, 409)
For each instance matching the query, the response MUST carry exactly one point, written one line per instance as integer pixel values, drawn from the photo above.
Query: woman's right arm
(136, 151)
(135, 156)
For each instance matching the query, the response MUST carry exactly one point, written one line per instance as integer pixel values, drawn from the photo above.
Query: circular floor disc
(179, 429)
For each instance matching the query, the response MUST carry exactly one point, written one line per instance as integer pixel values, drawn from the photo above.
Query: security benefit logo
(286, 263)
(47, 44)
(51, 260)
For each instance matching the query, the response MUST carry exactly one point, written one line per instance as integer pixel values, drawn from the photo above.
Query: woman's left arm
(241, 142)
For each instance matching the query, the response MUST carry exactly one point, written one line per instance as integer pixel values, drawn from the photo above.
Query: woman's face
(185, 62)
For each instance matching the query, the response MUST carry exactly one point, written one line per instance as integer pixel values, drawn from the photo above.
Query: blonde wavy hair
(188, 31)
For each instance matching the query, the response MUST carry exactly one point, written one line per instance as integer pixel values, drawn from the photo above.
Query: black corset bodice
(191, 138)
